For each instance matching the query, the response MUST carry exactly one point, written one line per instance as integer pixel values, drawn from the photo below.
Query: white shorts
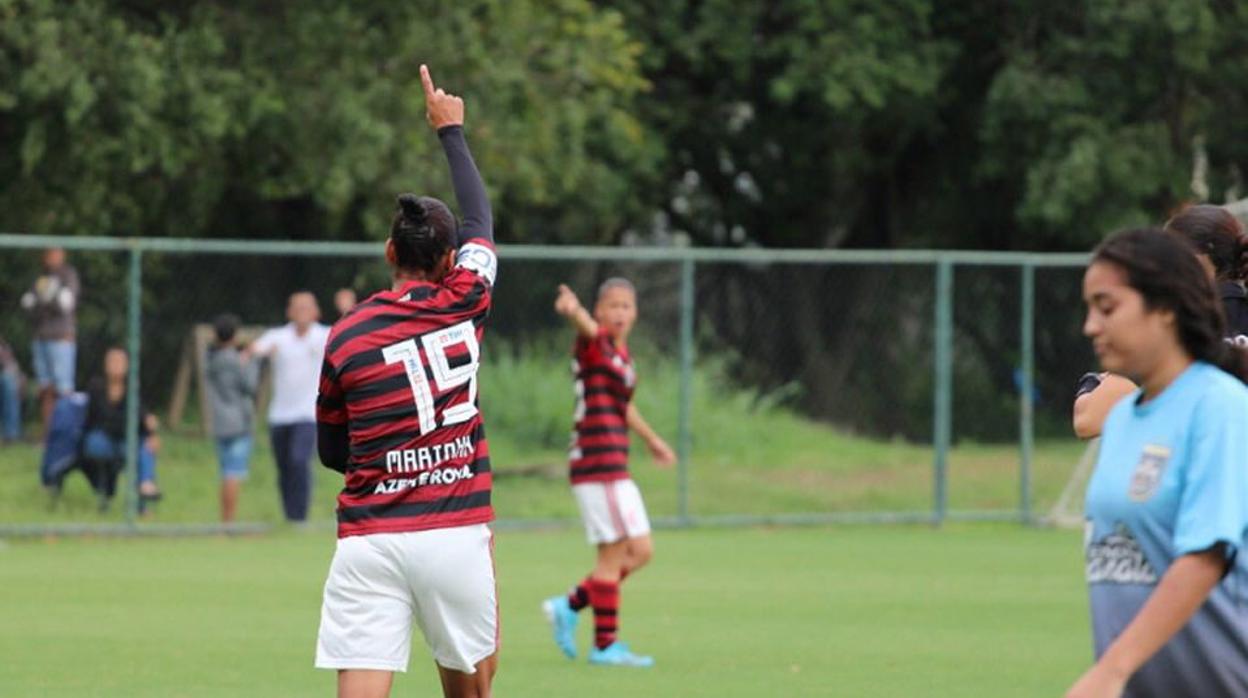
(612, 511)
(378, 583)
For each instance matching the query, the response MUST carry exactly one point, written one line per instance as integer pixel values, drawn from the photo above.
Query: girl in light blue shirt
(1167, 506)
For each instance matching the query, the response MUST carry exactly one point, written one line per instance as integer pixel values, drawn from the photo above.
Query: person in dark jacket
(104, 432)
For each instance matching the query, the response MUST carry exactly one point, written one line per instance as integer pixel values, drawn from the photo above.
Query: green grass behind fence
(751, 455)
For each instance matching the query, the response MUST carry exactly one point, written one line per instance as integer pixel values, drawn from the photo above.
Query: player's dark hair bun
(413, 209)
(1214, 232)
(423, 230)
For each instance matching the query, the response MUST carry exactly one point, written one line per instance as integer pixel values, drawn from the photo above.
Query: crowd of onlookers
(86, 429)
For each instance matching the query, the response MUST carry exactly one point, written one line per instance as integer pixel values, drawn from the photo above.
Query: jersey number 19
(436, 345)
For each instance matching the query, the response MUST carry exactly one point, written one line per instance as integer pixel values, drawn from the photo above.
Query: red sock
(578, 598)
(604, 596)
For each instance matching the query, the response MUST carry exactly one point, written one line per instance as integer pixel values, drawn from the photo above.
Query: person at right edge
(1167, 505)
(1221, 247)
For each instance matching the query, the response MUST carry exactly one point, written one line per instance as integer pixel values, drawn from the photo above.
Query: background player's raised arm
(569, 306)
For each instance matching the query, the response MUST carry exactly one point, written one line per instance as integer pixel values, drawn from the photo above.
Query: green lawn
(986, 610)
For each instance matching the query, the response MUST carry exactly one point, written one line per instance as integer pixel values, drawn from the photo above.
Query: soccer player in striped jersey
(397, 414)
(610, 503)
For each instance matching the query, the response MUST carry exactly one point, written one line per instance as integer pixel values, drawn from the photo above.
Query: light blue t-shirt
(1172, 479)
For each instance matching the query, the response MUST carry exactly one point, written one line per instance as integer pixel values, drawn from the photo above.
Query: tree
(299, 121)
(997, 125)
(1097, 110)
(304, 119)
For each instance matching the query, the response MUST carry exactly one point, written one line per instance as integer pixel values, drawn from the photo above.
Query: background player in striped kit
(610, 503)
(397, 414)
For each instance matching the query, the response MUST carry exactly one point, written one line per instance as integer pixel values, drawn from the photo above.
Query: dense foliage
(999, 124)
(782, 123)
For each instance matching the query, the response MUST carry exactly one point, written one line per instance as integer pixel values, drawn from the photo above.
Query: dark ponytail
(423, 231)
(1213, 231)
(1162, 268)
(412, 209)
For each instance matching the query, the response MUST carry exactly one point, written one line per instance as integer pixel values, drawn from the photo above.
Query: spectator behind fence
(51, 303)
(232, 382)
(296, 350)
(344, 301)
(104, 432)
(10, 395)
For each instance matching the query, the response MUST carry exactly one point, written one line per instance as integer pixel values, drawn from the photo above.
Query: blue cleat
(562, 621)
(618, 654)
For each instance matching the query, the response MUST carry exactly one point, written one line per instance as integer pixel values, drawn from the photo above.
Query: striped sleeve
(592, 352)
(331, 404)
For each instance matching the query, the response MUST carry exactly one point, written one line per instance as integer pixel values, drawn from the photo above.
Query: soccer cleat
(562, 621)
(618, 654)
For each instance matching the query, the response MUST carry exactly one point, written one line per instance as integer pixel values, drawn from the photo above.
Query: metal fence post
(942, 428)
(1026, 411)
(132, 383)
(684, 445)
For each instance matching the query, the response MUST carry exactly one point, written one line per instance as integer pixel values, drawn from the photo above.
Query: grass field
(987, 610)
(798, 468)
(970, 610)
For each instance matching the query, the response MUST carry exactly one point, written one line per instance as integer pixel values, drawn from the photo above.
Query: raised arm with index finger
(446, 115)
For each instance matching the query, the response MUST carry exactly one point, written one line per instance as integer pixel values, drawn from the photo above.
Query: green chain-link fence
(796, 385)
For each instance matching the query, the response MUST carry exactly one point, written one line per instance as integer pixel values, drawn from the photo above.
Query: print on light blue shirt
(1172, 479)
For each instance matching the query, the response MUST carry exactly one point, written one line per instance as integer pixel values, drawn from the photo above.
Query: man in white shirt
(296, 351)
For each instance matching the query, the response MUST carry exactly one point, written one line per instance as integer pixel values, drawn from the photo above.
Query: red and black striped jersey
(400, 372)
(604, 386)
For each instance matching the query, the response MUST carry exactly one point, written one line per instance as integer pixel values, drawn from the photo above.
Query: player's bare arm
(662, 454)
(1093, 407)
(569, 306)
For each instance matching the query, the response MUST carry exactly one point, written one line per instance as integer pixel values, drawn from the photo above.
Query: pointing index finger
(426, 81)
